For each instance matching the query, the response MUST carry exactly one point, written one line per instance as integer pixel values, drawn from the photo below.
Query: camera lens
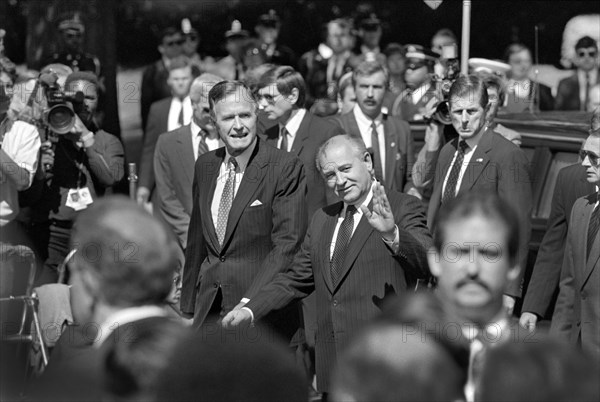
(61, 119)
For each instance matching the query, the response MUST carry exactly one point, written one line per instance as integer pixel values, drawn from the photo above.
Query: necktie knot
(350, 210)
(232, 164)
(463, 146)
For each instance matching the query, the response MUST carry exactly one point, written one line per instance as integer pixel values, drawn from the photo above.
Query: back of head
(286, 79)
(469, 85)
(232, 365)
(546, 370)
(392, 362)
(130, 255)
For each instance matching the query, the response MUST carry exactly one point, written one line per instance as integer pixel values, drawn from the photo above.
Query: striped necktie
(226, 200)
(450, 190)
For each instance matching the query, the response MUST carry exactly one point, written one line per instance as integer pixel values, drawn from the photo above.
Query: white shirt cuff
(395, 244)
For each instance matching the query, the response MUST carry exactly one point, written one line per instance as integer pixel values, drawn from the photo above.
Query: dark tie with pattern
(376, 153)
(586, 96)
(450, 191)
(593, 229)
(226, 200)
(180, 118)
(341, 244)
(284, 139)
(202, 147)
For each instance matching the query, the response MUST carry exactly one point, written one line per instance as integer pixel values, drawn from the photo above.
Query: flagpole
(466, 36)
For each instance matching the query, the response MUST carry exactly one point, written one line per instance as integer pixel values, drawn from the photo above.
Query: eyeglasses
(178, 42)
(593, 158)
(270, 99)
(584, 53)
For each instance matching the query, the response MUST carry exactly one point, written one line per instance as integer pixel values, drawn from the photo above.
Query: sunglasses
(594, 159)
(584, 53)
(174, 42)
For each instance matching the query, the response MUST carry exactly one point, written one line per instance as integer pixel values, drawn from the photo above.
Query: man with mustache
(482, 160)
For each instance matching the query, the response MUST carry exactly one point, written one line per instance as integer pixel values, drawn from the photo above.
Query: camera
(443, 84)
(63, 105)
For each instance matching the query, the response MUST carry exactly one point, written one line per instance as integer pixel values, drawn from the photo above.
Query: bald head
(394, 362)
(129, 254)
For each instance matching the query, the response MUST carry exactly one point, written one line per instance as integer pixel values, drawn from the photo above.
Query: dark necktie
(226, 200)
(284, 139)
(593, 229)
(202, 147)
(180, 118)
(376, 153)
(450, 191)
(341, 244)
(586, 97)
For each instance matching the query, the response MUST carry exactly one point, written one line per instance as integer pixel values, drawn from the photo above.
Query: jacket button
(335, 303)
(222, 258)
(216, 284)
(583, 295)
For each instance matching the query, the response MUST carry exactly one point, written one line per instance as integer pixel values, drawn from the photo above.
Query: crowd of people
(287, 240)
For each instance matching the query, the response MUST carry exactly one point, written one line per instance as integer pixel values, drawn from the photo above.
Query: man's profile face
(586, 58)
(276, 106)
(347, 99)
(468, 116)
(369, 90)
(235, 119)
(201, 110)
(592, 148)
(473, 267)
(179, 81)
(346, 173)
(493, 100)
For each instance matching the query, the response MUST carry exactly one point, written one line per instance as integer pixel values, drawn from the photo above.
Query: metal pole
(466, 36)
(133, 178)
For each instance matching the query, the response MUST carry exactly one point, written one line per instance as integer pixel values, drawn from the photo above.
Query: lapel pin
(479, 160)
(393, 144)
(398, 156)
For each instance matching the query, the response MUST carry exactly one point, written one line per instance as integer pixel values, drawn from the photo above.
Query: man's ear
(368, 160)
(433, 258)
(293, 96)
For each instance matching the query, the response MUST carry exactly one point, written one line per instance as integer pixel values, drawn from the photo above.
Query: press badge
(79, 198)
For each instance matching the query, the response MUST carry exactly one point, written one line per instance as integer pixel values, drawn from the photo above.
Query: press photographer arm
(19, 155)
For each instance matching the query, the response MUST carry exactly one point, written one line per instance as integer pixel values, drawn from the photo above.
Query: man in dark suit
(576, 317)
(323, 67)
(165, 115)
(281, 94)
(387, 137)
(175, 155)
(248, 217)
(571, 184)
(482, 160)
(114, 241)
(267, 29)
(355, 253)
(154, 79)
(574, 91)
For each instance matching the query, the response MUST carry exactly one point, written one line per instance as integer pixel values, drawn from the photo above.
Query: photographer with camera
(87, 161)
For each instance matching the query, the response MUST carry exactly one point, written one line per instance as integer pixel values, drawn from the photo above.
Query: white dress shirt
(211, 143)
(242, 161)
(364, 125)
(175, 109)
(467, 159)
(292, 127)
(593, 76)
(125, 316)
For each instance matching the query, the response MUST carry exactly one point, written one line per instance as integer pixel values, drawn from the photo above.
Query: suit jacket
(174, 173)
(157, 124)
(517, 105)
(260, 241)
(577, 314)
(154, 87)
(370, 273)
(399, 149)
(499, 166)
(543, 285)
(567, 94)
(313, 132)
(313, 68)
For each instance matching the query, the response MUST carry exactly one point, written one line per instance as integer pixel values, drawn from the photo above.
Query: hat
(186, 27)
(489, 66)
(72, 23)
(419, 52)
(371, 23)
(236, 31)
(269, 20)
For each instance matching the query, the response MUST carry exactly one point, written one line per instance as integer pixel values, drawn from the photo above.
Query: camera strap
(77, 162)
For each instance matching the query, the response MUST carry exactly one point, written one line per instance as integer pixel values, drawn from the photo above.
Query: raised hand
(381, 217)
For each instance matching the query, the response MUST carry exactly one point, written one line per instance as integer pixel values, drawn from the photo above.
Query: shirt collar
(243, 158)
(365, 50)
(366, 202)
(126, 316)
(363, 119)
(493, 330)
(293, 124)
(195, 129)
(592, 74)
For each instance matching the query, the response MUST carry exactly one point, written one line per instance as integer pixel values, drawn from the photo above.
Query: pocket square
(256, 203)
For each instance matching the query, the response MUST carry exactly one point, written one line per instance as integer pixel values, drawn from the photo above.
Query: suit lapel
(350, 125)
(391, 151)
(207, 196)
(253, 177)
(302, 134)
(325, 244)
(358, 240)
(272, 135)
(185, 152)
(478, 162)
(592, 260)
